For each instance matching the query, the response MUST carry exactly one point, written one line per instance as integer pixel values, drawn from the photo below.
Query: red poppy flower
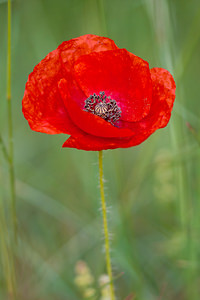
(102, 96)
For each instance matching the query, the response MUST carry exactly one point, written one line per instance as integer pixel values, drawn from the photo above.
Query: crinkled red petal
(164, 89)
(163, 97)
(71, 50)
(42, 104)
(158, 117)
(89, 122)
(92, 143)
(122, 76)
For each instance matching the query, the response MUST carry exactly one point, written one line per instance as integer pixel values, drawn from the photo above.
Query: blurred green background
(153, 190)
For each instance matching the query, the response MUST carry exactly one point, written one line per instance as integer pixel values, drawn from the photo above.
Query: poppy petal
(122, 76)
(89, 122)
(71, 50)
(164, 88)
(163, 99)
(42, 104)
(93, 143)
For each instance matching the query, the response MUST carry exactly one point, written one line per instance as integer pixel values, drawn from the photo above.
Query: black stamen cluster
(103, 106)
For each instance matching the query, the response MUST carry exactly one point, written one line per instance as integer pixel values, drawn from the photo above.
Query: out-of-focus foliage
(153, 189)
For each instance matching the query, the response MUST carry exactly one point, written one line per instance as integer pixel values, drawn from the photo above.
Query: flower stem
(10, 128)
(105, 223)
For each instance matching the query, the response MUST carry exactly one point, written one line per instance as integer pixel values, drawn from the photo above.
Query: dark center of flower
(104, 107)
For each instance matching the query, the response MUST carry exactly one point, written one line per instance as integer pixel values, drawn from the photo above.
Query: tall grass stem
(10, 129)
(102, 17)
(4, 150)
(7, 258)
